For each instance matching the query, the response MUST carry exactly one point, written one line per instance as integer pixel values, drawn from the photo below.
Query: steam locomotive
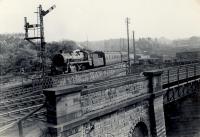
(80, 60)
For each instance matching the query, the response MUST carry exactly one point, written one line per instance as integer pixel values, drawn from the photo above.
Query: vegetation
(16, 53)
(147, 45)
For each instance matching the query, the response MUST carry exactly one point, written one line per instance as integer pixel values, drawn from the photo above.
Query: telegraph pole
(134, 51)
(104, 43)
(120, 46)
(127, 25)
(40, 26)
(87, 42)
(123, 46)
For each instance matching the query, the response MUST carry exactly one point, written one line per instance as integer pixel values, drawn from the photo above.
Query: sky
(80, 20)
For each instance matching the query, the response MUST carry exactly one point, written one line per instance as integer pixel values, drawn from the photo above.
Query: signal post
(39, 26)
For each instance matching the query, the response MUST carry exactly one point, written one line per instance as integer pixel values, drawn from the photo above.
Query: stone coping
(112, 85)
(63, 90)
(151, 73)
(105, 68)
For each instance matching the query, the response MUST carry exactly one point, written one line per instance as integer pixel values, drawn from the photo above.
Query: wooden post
(134, 50)
(127, 25)
(20, 127)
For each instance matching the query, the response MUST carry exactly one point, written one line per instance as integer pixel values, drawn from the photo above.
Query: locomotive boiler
(79, 60)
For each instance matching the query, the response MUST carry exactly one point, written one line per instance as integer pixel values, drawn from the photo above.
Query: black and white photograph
(99, 68)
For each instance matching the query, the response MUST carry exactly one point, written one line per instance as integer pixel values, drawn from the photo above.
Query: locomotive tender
(81, 60)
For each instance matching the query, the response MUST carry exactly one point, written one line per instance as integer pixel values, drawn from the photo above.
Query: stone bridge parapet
(114, 109)
(79, 77)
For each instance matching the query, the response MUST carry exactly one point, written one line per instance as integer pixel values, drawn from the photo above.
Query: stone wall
(159, 116)
(108, 110)
(111, 94)
(83, 77)
(67, 105)
(118, 124)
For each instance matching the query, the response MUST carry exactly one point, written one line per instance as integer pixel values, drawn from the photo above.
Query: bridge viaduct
(107, 102)
(126, 106)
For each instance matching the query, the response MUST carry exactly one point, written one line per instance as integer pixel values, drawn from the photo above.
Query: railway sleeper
(7, 122)
(17, 105)
(19, 110)
(38, 114)
(4, 109)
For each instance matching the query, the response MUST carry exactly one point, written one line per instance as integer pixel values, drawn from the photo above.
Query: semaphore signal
(39, 26)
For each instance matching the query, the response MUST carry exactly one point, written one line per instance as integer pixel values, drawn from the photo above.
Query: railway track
(14, 109)
(19, 99)
(15, 94)
(8, 128)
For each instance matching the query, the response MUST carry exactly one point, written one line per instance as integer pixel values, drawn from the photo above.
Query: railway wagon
(115, 57)
(188, 57)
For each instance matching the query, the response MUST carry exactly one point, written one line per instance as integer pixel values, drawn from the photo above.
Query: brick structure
(116, 109)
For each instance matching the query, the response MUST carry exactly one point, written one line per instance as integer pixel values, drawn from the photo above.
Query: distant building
(148, 59)
(168, 59)
(143, 56)
(188, 56)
